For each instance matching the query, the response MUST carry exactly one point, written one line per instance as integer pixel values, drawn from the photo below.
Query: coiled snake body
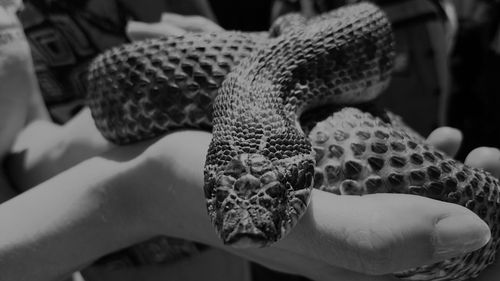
(260, 164)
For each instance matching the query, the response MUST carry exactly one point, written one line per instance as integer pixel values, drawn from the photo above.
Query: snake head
(253, 201)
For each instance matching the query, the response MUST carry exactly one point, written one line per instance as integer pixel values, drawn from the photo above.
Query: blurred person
(65, 35)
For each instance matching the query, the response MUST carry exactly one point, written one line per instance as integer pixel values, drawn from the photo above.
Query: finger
(191, 23)
(384, 233)
(446, 139)
(139, 30)
(487, 158)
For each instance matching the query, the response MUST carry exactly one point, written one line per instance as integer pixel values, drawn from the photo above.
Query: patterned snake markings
(358, 153)
(250, 89)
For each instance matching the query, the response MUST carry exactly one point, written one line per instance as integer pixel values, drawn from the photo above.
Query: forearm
(67, 222)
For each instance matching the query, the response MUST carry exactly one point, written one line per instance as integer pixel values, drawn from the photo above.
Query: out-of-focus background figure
(65, 35)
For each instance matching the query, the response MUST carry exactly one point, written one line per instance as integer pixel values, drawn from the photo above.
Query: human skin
(155, 188)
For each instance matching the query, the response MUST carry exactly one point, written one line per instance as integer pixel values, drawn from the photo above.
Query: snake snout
(255, 201)
(243, 201)
(244, 231)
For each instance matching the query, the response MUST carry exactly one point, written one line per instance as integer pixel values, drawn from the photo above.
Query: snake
(253, 91)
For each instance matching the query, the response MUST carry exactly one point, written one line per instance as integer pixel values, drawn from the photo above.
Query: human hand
(385, 233)
(170, 24)
(182, 154)
(156, 189)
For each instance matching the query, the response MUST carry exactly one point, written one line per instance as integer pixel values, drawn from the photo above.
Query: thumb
(385, 233)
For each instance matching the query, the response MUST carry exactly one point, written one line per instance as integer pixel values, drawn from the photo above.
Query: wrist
(149, 202)
(113, 187)
(169, 177)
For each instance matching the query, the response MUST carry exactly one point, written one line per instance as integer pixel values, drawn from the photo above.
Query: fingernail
(458, 235)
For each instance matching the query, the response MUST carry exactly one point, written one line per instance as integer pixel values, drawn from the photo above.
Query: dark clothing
(64, 37)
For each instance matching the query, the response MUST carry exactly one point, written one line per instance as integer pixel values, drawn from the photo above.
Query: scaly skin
(358, 154)
(141, 90)
(260, 164)
(259, 168)
(144, 89)
(181, 76)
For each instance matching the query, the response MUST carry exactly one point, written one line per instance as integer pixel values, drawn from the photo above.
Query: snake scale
(250, 89)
